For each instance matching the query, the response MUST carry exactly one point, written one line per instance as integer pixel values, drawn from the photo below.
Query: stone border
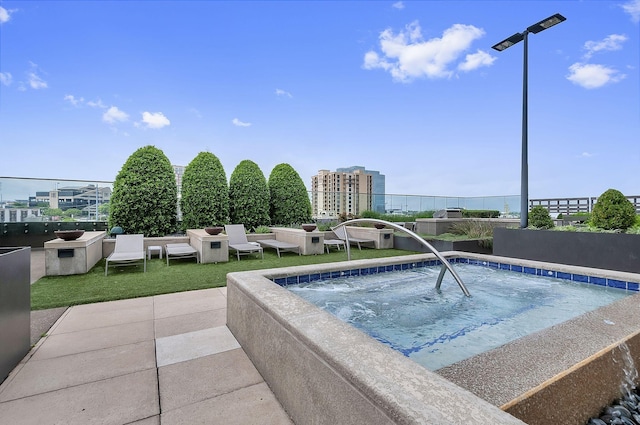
(324, 371)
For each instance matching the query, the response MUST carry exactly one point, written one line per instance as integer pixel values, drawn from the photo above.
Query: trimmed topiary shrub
(613, 211)
(539, 218)
(248, 196)
(144, 198)
(288, 198)
(205, 193)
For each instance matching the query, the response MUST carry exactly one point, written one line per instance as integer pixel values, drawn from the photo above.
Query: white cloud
(239, 123)
(97, 104)
(155, 119)
(33, 79)
(476, 60)
(586, 155)
(73, 100)
(35, 82)
(5, 15)
(398, 5)
(113, 115)
(633, 9)
(6, 78)
(593, 76)
(407, 56)
(609, 43)
(280, 92)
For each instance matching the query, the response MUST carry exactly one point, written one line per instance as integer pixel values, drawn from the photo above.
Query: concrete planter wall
(15, 307)
(78, 256)
(410, 244)
(611, 251)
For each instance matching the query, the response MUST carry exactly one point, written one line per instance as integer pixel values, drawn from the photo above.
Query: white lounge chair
(341, 233)
(180, 250)
(333, 242)
(129, 251)
(238, 241)
(279, 246)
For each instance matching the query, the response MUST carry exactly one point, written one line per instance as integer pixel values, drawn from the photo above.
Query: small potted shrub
(539, 218)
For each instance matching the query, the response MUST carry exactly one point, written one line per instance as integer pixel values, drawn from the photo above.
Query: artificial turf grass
(181, 275)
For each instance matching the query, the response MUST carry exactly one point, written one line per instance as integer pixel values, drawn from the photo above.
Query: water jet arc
(445, 264)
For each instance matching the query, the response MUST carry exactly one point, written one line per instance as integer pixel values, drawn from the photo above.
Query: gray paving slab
(85, 318)
(109, 306)
(254, 405)
(196, 380)
(203, 301)
(63, 344)
(175, 325)
(120, 400)
(153, 420)
(98, 365)
(40, 376)
(186, 295)
(191, 345)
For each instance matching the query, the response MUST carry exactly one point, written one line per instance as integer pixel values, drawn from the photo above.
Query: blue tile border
(580, 278)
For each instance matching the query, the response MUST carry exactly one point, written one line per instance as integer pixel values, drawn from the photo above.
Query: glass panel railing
(330, 204)
(45, 200)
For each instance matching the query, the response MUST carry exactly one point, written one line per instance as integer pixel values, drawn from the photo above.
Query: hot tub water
(437, 328)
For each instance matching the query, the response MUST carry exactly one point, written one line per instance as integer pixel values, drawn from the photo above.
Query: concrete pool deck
(171, 359)
(167, 359)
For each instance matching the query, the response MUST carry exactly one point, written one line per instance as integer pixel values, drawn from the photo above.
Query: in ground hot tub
(325, 371)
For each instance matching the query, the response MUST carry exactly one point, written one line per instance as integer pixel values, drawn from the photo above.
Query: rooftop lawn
(181, 275)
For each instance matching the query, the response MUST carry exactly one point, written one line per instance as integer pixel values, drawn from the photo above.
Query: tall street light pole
(505, 44)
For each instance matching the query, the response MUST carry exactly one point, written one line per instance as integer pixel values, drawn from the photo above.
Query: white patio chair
(128, 251)
(238, 241)
(341, 233)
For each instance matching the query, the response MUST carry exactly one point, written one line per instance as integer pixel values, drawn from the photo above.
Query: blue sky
(411, 89)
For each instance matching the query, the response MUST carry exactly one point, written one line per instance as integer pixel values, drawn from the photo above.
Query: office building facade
(346, 191)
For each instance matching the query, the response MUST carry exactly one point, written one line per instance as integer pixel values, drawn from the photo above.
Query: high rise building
(378, 186)
(178, 171)
(347, 191)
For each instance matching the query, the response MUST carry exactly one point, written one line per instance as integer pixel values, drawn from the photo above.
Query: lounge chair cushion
(279, 245)
(128, 251)
(180, 250)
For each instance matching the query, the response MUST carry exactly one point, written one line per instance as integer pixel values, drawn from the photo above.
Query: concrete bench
(180, 250)
(279, 246)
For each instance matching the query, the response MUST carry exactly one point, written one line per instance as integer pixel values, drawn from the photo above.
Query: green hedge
(248, 196)
(205, 193)
(289, 202)
(144, 198)
(613, 211)
(539, 218)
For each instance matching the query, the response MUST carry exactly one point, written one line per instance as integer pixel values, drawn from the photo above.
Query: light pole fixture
(505, 44)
